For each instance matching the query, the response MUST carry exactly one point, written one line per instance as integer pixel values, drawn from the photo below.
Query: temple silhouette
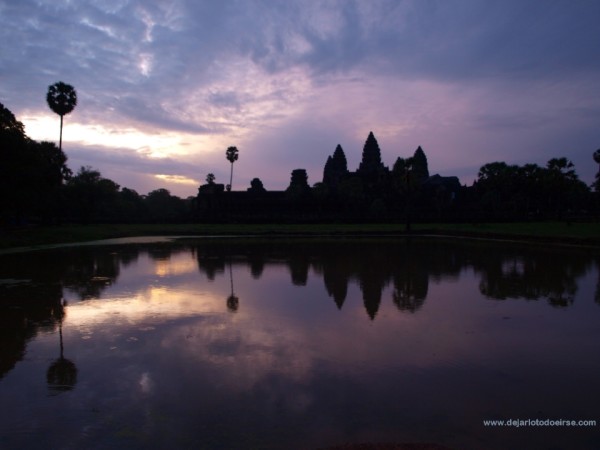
(38, 187)
(371, 192)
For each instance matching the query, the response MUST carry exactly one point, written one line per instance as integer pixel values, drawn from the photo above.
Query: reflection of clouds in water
(250, 358)
(146, 384)
(283, 336)
(155, 303)
(243, 354)
(171, 360)
(299, 402)
(266, 339)
(177, 264)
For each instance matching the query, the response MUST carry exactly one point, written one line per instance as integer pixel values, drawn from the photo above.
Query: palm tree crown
(61, 98)
(232, 154)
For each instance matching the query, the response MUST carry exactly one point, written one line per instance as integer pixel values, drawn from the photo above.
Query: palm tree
(61, 99)
(232, 156)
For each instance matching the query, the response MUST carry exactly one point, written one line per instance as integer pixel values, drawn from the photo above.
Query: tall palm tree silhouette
(61, 99)
(232, 156)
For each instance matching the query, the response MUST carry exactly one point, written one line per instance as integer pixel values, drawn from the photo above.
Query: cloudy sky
(165, 86)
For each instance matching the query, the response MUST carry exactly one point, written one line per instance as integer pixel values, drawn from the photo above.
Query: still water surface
(305, 344)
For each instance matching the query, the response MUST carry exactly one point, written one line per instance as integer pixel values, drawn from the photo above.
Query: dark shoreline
(554, 233)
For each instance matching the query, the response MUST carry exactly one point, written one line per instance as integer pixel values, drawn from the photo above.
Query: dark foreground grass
(552, 232)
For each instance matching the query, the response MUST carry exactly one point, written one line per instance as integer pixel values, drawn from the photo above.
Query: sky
(165, 86)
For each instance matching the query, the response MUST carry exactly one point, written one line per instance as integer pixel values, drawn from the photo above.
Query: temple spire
(371, 157)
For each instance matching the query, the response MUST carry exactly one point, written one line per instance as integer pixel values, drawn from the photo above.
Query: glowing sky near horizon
(166, 86)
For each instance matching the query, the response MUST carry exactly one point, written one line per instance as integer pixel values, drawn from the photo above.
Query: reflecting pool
(299, 344)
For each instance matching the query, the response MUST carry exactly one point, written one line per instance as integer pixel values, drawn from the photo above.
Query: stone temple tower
(371, 164)
(336, 168)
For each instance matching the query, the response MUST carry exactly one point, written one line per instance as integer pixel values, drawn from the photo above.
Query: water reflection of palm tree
(62, 373)
(233, 302)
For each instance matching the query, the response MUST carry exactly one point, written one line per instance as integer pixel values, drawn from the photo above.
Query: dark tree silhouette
(10, 124)
(400, 170)
(596, 184)
(563, 186)
(563, 166)
(13, 144)
(61, 99)
(408, 167)
(31, 173)
(90, 197)
(232, 156)
(164, 207)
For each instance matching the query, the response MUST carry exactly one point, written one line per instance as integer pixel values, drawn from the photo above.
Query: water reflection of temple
(408, 266)
(532, 273)
(398, 271)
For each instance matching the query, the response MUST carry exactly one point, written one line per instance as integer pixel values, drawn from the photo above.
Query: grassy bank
(554, 232)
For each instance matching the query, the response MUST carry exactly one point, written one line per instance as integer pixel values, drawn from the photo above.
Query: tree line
(407, 192)
(37, 186)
